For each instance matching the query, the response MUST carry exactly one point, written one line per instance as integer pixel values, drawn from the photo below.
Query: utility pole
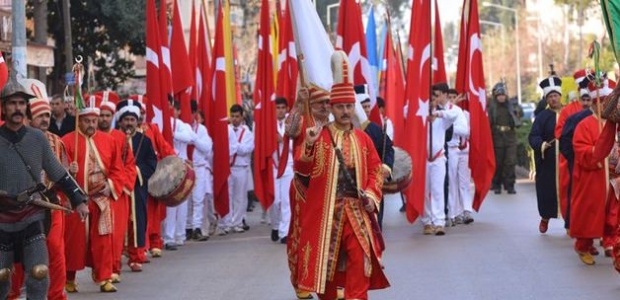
(40, 32)
(18, 10)
(66, 19)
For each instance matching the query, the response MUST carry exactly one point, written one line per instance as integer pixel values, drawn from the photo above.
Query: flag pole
(77, 69)
(300, 59)
(430, 107)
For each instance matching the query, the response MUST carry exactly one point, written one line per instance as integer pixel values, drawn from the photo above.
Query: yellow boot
(71, 286)
(107, 287)
(586, 258)
(303, 294)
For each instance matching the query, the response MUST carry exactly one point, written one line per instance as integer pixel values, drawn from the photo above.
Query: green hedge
(525, 155)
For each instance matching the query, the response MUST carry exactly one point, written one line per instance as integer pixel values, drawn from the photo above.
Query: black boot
(274, 235)
(245, 227)
(189, 234)
(198, 235)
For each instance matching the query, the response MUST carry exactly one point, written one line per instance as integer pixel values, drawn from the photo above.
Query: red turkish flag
(417, 95)
(4, 77)
(182, 69)
(203, 74)
(156, 107)
(470, 80)
(266, 135)
(439, 65)
(288, 71)
(394, 89)
(352, 40)
(193, 45)
(165, 72)
(218, 121)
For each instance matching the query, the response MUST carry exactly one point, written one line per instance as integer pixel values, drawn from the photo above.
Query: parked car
(528, 111)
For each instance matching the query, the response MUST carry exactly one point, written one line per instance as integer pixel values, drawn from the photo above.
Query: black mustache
(17, 114)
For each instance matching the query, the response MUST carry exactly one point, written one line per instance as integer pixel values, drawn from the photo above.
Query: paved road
(500, 256)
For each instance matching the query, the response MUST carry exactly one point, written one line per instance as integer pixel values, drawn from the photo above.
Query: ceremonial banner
(439, 65)
(218, 119)
(351, 39)
(417, 96)
(287, 71)
(265, 131)
(162, 111)
(394, 90)
(611, 15)
(182, 70)
(470, 80)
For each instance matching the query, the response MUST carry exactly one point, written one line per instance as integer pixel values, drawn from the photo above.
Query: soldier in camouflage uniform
(504, 119)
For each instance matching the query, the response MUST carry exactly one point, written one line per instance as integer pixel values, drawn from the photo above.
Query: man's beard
(104, 126)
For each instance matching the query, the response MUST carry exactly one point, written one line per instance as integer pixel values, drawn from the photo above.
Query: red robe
(96, 250)
(564, 176)
(297, 196)
(121, 207)
(156, 211)
(320, 237)
(589, 179)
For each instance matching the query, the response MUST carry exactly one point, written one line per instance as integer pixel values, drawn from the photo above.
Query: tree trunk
(40, 32)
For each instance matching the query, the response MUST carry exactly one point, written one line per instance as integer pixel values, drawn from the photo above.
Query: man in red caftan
(311, 108)
(590, 182)
(40, 112)
(582, 80)
(339, 242)
(107, 107)
(156, 211)
(98, 169)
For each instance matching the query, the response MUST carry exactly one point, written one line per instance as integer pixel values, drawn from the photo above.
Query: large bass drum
(172, 181)
(401, 173)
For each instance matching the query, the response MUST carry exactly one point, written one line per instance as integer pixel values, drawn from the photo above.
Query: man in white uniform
(280, 211)
(176, 217)
(239, 171)
(201, 160)
(434, 216)
(459, 198)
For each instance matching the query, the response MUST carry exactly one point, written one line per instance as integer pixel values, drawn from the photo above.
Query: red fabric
(394, 90)
(121, 206)
(589, 182)
(56, 253)
(4, 72)
(439, 72)
(158, 82)
(98, 255)
(288, 70)
(182, 69)
(97, 251)
(203, 60)
(136, 254)
(265, 131)
(583, 245)
(352, 40)
(470, 79)
(566, 112)
(317, 219)
(155, 214)
(156, 211)
(417, 95)
(612, 211)
(355, 284)
(193, 48)
(217, 123)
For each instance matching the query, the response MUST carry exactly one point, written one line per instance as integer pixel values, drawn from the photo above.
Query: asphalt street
(499, 256)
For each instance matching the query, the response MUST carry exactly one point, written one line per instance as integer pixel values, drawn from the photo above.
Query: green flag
(611, 15)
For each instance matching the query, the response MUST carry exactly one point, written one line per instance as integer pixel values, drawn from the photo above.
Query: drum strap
(238, 141)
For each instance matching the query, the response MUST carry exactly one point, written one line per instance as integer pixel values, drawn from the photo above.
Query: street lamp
(501, 26)
(487, 4)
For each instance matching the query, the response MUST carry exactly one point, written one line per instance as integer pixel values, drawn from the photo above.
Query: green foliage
(524, 151)
(105, 30)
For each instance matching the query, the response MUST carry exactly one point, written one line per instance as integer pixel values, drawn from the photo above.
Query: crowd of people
(576, 156)
(329, 170)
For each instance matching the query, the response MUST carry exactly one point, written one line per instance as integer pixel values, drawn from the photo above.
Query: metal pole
(66, 20)
(518, 56)
(18, 54)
